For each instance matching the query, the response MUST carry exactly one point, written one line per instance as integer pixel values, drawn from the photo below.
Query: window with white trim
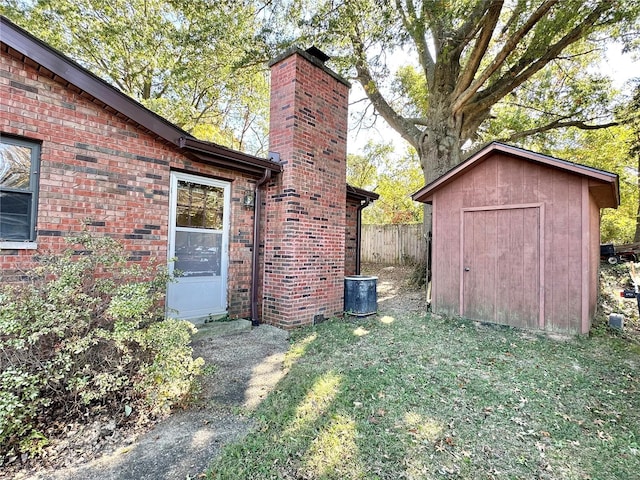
(19, 167)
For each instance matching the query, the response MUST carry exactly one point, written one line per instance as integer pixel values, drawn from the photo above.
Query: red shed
(516, 239)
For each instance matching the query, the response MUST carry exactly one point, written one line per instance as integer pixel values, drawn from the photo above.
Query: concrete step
(226, 327)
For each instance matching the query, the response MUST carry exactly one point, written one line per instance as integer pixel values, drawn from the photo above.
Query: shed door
(501, 251)
(198, 246)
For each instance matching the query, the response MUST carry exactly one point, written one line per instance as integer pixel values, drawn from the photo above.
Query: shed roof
(603, 185)
(48, 61)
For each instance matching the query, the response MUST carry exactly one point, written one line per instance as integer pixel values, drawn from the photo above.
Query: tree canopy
(191, 61)
(480, 70)
(448, 75)
(606, 149)
(394, 177)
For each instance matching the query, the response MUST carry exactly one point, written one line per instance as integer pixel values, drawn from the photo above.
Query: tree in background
(606, 150)
(395, 179)
(634, 150)
(481, 68)
(615, 149)
(362, 169)
(191, 61)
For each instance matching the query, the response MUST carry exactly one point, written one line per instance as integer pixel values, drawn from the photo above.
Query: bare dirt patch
(395, 295)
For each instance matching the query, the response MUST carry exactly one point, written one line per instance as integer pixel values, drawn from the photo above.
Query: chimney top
(319, 54)
(313, 55)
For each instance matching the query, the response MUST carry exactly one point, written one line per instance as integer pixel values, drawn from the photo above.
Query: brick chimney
(304, 244)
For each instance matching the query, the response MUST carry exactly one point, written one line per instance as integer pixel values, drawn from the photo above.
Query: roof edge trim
(583, 170)
(361, 194)
(214, 150)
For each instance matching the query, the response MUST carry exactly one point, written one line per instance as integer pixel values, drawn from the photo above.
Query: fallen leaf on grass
(518, 421)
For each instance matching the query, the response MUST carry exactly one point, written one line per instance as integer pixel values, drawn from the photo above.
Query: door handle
(466, 269)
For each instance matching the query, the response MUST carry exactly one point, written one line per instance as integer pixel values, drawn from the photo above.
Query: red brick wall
(351, 237)
(304, 254)
(97, 166)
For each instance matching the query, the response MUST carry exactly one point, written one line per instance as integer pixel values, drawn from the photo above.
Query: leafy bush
(83, 336)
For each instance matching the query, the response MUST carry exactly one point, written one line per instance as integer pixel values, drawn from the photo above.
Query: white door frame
(218, 300)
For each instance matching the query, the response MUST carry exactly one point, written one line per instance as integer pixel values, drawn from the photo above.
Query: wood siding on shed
(502, 247)
(594, 257)
(505, 181)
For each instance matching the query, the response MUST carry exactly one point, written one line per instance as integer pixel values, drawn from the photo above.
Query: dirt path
(247, 365)
(394, 294)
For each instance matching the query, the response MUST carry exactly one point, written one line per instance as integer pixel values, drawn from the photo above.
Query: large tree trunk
(439, 146)
(439, 150)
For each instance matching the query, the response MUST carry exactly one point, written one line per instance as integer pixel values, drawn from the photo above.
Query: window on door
(19, 166)
(199, 224)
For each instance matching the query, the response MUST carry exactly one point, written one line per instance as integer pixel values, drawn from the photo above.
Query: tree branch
(434, 26)
(520, 72)
(418, 121)
(416, 28)
(491, 17)
(500, 58)
(473, 24)
(407, 130)
(555, 125)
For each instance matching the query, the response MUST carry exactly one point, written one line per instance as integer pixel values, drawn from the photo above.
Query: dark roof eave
(361, 194)
(213, 153)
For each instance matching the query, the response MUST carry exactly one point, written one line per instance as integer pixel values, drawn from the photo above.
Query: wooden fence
(393, 244)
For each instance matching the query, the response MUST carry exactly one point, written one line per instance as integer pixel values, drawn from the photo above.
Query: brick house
(73, 150)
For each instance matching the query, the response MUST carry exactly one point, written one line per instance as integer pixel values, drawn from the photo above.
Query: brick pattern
(97, 166)
(304, 244)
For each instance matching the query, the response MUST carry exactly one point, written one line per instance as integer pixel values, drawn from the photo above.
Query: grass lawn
(421, 397)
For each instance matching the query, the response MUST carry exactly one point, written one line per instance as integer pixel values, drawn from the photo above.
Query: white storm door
(198, 246)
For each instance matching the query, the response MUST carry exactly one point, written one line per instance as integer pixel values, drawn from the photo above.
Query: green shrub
(86, 335)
